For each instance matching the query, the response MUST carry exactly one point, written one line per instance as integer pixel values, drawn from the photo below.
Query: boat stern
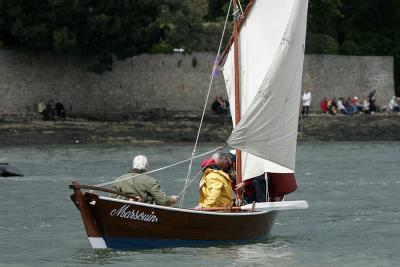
(93, 231)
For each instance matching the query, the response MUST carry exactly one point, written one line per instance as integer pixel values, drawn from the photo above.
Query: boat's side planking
(126, 224)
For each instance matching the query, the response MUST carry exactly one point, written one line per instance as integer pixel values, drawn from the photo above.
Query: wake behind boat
(262, 67)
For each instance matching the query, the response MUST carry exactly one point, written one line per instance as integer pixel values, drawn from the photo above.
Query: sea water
(352, 190)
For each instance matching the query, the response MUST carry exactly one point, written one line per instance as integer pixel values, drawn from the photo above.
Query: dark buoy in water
(6, 170)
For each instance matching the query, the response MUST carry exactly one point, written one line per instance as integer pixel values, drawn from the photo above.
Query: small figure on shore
(51, 112)
(372, 102)
(332, 106)
(220, 106)
(60, 111)
(365, 106)
(393, 105)
(136, 183)
(324, 105)
(215, 184)
(41, 108)
(348, 106)
(355, 104)
(343, 107)
(306, 101)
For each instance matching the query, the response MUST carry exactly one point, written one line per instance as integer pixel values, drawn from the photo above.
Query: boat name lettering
(123, 212)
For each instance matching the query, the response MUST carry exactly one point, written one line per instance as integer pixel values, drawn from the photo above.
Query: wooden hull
(120, 224)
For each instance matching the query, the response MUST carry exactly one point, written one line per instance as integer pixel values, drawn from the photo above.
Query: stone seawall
(167, 82)
(183, 128)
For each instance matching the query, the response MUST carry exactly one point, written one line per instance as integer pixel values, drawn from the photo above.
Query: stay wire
(163, 168)
(193, 178)
(240, 6)
(204, 108)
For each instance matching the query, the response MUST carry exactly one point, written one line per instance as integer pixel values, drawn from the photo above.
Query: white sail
(271, 53)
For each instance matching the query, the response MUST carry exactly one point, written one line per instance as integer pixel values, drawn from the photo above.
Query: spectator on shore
(332, 106)
(324, 105)
(334, 102)
(220, 106)
(342, 107)
(355, 104)
(365, 106)
(348, 106)
(60, 110)
(372, 102)
(51, 112)
(393, 105)
(306, 101)
(398, 103)
(41, 108)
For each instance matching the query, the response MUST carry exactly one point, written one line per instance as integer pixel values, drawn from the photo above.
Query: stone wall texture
(344, 76)
(171, 82)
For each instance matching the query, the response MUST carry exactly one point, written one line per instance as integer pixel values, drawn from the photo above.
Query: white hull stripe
(97, 242)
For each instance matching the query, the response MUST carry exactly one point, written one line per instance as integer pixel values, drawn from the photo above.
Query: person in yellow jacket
(215, 184)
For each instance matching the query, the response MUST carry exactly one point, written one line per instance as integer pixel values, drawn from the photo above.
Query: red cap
(207, 163)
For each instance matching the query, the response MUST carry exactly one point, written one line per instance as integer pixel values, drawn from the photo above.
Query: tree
(123, 28)
(85, 27)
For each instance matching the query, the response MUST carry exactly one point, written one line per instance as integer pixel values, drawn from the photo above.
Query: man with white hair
(138, 184)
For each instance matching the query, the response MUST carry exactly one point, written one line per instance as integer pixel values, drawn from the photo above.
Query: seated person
(355, 104)
(50, 110)
(220, 106)
(324, 105)
(143, 186)
(393, 105)
(60, 110)
(215, 184)
(41, 108)
(254, 189)
(332, 107)
(342, 107)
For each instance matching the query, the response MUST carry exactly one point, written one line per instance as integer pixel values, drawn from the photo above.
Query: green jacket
(143, 186)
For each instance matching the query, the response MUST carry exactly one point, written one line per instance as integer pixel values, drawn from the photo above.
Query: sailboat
(262, 67)
(7, 170)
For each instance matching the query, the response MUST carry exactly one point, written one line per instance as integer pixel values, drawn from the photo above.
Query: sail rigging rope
(193, 178)
(204, 109)
(163, 168)
(240, 6)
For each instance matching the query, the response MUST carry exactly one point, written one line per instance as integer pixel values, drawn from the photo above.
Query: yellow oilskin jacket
(215, 189)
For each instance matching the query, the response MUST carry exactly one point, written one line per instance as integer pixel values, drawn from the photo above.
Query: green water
(352, 189)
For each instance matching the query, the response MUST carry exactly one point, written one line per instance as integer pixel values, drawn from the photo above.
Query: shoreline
(183, 129)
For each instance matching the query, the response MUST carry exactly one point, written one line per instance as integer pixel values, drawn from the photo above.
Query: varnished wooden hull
(128, 225)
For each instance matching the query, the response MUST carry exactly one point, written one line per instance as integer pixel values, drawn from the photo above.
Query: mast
(236, 15)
